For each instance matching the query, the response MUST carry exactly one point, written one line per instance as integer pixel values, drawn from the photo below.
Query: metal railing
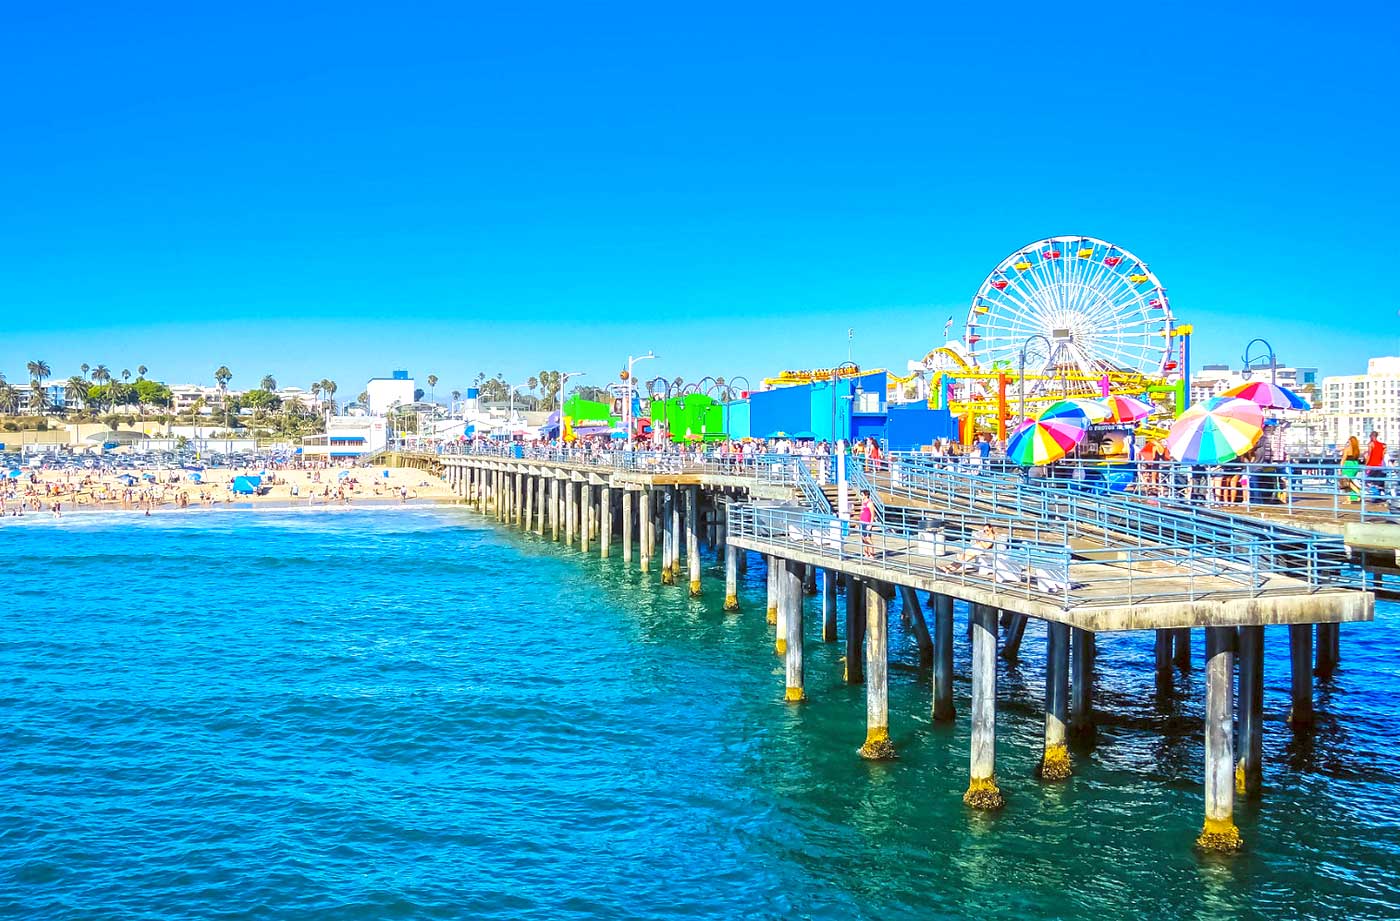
(856, 476)
(1032, 561)
(811, 489)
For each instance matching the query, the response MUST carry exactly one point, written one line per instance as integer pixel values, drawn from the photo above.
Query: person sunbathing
(965, 561)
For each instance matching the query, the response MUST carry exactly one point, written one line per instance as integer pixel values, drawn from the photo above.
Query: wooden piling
(692, 548)
(1219, 832)
(644, 520)
(829, 631)
(914, 612)
(1181, 640)
(605, 526)
(585, 515)
(772, 566)
(791, 604)
(1300, 637)
(1249, 769)
(855, 631)
(1015, 632)
(943, 658)
(1162, 660)
(627, 527)
(878, 746)
(1055, 762)
(1326, 649)
(1081, 703)
(731, 578)
(982, 791)
(668, 537)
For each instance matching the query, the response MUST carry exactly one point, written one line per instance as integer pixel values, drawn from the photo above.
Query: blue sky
(339, 190)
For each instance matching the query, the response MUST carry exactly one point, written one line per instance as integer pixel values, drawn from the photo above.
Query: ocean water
(412, 713)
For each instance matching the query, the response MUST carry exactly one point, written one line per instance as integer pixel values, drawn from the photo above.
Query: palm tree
(268, 383)
(126, 375)
(223, 375)
(38, 398)
(84, 368)
(101, 375)
(39, 371)
(456, 398)
(432, 388)
(140, 372)
(76, 390)
(7, 397)
(328, 387)
(363, 398)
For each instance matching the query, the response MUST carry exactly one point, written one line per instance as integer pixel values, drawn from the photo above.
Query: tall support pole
(692, 537)
(1300, 654)
(1181, 639)
(529, 523)
(627, 526)
(982, 791)
(1055, 763)
(828, 606)
(731, 578)
(668, 537)
(1081, 703)
(772, 565)
(605, 525)
(677, 536)
(540, 501)
(1162, 660)
(943, 658)
(878, 746)
(791, 602)
(1015, 632)
(570, 512)
(1249, 771)
(855, 631)
(585, 530)
(644, 524)
(809, 580)
(780, 633)
(517, 499)
(556, 502)
(914, 612)
(1327, 649)
(1219, 832)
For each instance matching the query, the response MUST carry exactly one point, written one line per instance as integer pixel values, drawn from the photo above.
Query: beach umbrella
(1216, 431)
(343, 474)
(1044, 441)
(16, 473)
(1126, 409)
(1091, 410)
(196, 477)
(1267, 395)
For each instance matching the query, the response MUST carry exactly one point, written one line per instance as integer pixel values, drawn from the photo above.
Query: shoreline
(275, 505)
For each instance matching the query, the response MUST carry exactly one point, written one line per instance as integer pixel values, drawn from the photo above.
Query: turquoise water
(409, 713)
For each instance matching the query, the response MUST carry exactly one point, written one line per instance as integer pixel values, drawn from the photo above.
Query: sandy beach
(36, 492)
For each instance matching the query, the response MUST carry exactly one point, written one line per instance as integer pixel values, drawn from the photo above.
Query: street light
(563, 382)
(835, 376)
(1248, 370)
(627, 400)
(1050, 351)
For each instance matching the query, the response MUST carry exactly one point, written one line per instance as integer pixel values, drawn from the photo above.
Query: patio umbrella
(1216, 431)
(1044, 441)
(1126, 409)
(1091, 410)
(1267, 395)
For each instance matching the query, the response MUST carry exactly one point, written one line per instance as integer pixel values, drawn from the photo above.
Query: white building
(1358, 404)
(1213, 379)
(348, 437)
(385, 392)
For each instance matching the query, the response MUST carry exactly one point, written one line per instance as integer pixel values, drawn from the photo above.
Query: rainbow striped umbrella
(1267, 395)
(1044, 441)
(1089, 410)
(1216, 431)
(1126, 409)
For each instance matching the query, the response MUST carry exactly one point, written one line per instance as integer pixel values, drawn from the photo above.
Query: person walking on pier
(1375, 464)
(867, 524)
(1351, 465)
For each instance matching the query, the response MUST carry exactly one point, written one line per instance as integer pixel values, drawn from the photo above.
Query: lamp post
(835, 376)
(1050, 350)
(563, 382)
(627, 400)
(1248, 370)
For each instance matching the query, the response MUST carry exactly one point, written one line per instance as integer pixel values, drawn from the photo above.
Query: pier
(1013, 551)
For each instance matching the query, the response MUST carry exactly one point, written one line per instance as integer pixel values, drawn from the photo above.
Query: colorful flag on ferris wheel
(948, 328)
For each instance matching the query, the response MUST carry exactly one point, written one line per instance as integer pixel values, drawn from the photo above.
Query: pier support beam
(1081, 703)
(1300, 654)
(1219, 832)
(855, 631)
(791, 603)
(772, 565)
(1015, 632)
(554, 503)
(828, 606)
(1055, 763)
(692, 538)
(780, 581)
(878, 746)
(731, 578)
(1328, 650)
(644, 526)
(668, 537)
(1249, 769)
(627, 526)
(809, 580)
(585, 529)
(982, 791)
(914, 612)
(518, 499)
(1162, 660)
(943, 658)
(541, 500)
(1181, 640)
(605, 524)
(529, 523)
(673, 503)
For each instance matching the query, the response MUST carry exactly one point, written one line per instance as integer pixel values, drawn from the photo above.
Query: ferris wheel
(1099, 307)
